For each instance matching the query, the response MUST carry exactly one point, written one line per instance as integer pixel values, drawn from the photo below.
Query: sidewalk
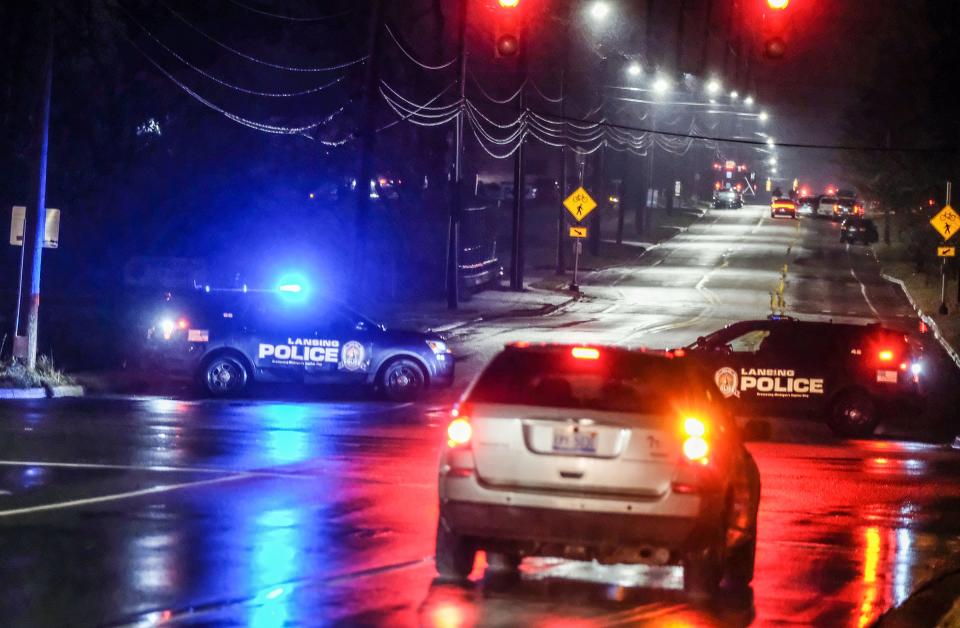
(935, 603)
(484, 306)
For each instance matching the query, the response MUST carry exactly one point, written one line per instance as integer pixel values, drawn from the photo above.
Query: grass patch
(15, 375)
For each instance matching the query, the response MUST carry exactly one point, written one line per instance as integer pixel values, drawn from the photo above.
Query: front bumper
(443, 367)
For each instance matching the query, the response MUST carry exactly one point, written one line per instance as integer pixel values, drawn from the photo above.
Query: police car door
(732, 357)
(787, 375)
(347, 340)
(285, 340)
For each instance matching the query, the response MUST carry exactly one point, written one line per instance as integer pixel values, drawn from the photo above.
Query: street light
(599, 10)
(764, 116)
(748, 101)
(714, 87)
(734, 95)
(634, 69)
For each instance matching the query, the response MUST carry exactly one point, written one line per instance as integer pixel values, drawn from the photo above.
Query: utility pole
(368, 138)
(561, 218)
(519, 189)
(456, 209)
(35, 222)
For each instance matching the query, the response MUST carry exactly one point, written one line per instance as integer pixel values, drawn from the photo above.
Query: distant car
(827, 206)
(847, 206)
(807, 205)
(727, 199)
(857, 229)
(223, 341)
(596, 453)
(783, 207)
(852, 376)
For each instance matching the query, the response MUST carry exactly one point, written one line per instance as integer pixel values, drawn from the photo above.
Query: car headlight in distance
(437, 346)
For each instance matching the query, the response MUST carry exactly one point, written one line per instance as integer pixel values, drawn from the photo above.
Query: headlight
(166, 327)
(437, 346)
(916, 368)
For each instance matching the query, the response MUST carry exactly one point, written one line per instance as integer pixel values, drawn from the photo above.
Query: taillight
(183, 323)
(459, 432)
(695, 446)
(585, 353)
(886, 355)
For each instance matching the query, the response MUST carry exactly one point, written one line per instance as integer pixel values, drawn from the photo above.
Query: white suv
(597, 453)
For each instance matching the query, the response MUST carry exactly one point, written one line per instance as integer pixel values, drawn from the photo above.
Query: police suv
(851, 375)
(224, 341)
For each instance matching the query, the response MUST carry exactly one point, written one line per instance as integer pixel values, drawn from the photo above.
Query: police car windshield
(614, 382)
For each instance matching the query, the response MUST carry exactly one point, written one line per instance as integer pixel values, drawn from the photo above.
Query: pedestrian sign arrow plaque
(579, 204)
(946, 222)
(578, 232)
(946, 251)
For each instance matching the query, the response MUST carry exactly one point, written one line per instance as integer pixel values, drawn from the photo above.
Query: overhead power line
(218, 80)
(291, 18)
(251, 58)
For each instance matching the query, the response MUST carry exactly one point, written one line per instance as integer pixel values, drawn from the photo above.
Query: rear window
(614, 382)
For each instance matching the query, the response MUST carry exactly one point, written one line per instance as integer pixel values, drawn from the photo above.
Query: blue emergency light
(293, 288)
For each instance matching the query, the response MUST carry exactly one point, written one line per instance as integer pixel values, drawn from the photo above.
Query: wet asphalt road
(269, 512)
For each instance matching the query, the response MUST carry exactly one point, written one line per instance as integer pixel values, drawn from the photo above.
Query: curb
(23, 393)
(58, 392)
(932, 324)
(42, 392)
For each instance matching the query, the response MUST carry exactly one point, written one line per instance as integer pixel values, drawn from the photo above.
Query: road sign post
(579, 204)
(946, 222)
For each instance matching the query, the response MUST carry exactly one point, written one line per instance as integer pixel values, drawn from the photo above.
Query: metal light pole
(456, 211)
(519, 189)
(35, 222)
(368, 140)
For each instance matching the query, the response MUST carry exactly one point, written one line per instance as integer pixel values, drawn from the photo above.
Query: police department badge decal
(726, 380)
(352, 356)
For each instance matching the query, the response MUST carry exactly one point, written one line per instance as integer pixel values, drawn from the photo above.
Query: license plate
(580, 442)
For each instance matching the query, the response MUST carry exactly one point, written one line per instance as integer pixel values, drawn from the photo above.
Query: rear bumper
(601, 528)
(544, 525)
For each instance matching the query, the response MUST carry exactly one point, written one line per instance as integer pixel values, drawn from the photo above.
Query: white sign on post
(51, 227)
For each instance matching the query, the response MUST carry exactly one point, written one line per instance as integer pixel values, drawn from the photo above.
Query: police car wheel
(402, 380)
(854, 415)
(224, 376)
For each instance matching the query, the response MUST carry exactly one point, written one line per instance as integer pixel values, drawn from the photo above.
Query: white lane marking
(863, 290)
(154, 490)
(151, 469)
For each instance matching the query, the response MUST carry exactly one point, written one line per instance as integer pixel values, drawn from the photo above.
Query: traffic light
(776, 20)
(507, 29)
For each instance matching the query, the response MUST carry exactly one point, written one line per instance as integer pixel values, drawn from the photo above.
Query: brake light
(459, 432)
(585, 353)
(183, 323)
(886, 355)
(695, 447)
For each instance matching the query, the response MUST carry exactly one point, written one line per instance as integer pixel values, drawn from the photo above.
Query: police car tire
(454, 554)
(231, 362)
(841, 426)
(405, 393)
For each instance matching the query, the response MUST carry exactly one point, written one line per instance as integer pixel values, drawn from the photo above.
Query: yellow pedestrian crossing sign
(579, 204)
(946, 222)
(946, 251)
(578, 232)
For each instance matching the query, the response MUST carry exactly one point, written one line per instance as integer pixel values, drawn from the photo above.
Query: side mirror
(756, 430)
